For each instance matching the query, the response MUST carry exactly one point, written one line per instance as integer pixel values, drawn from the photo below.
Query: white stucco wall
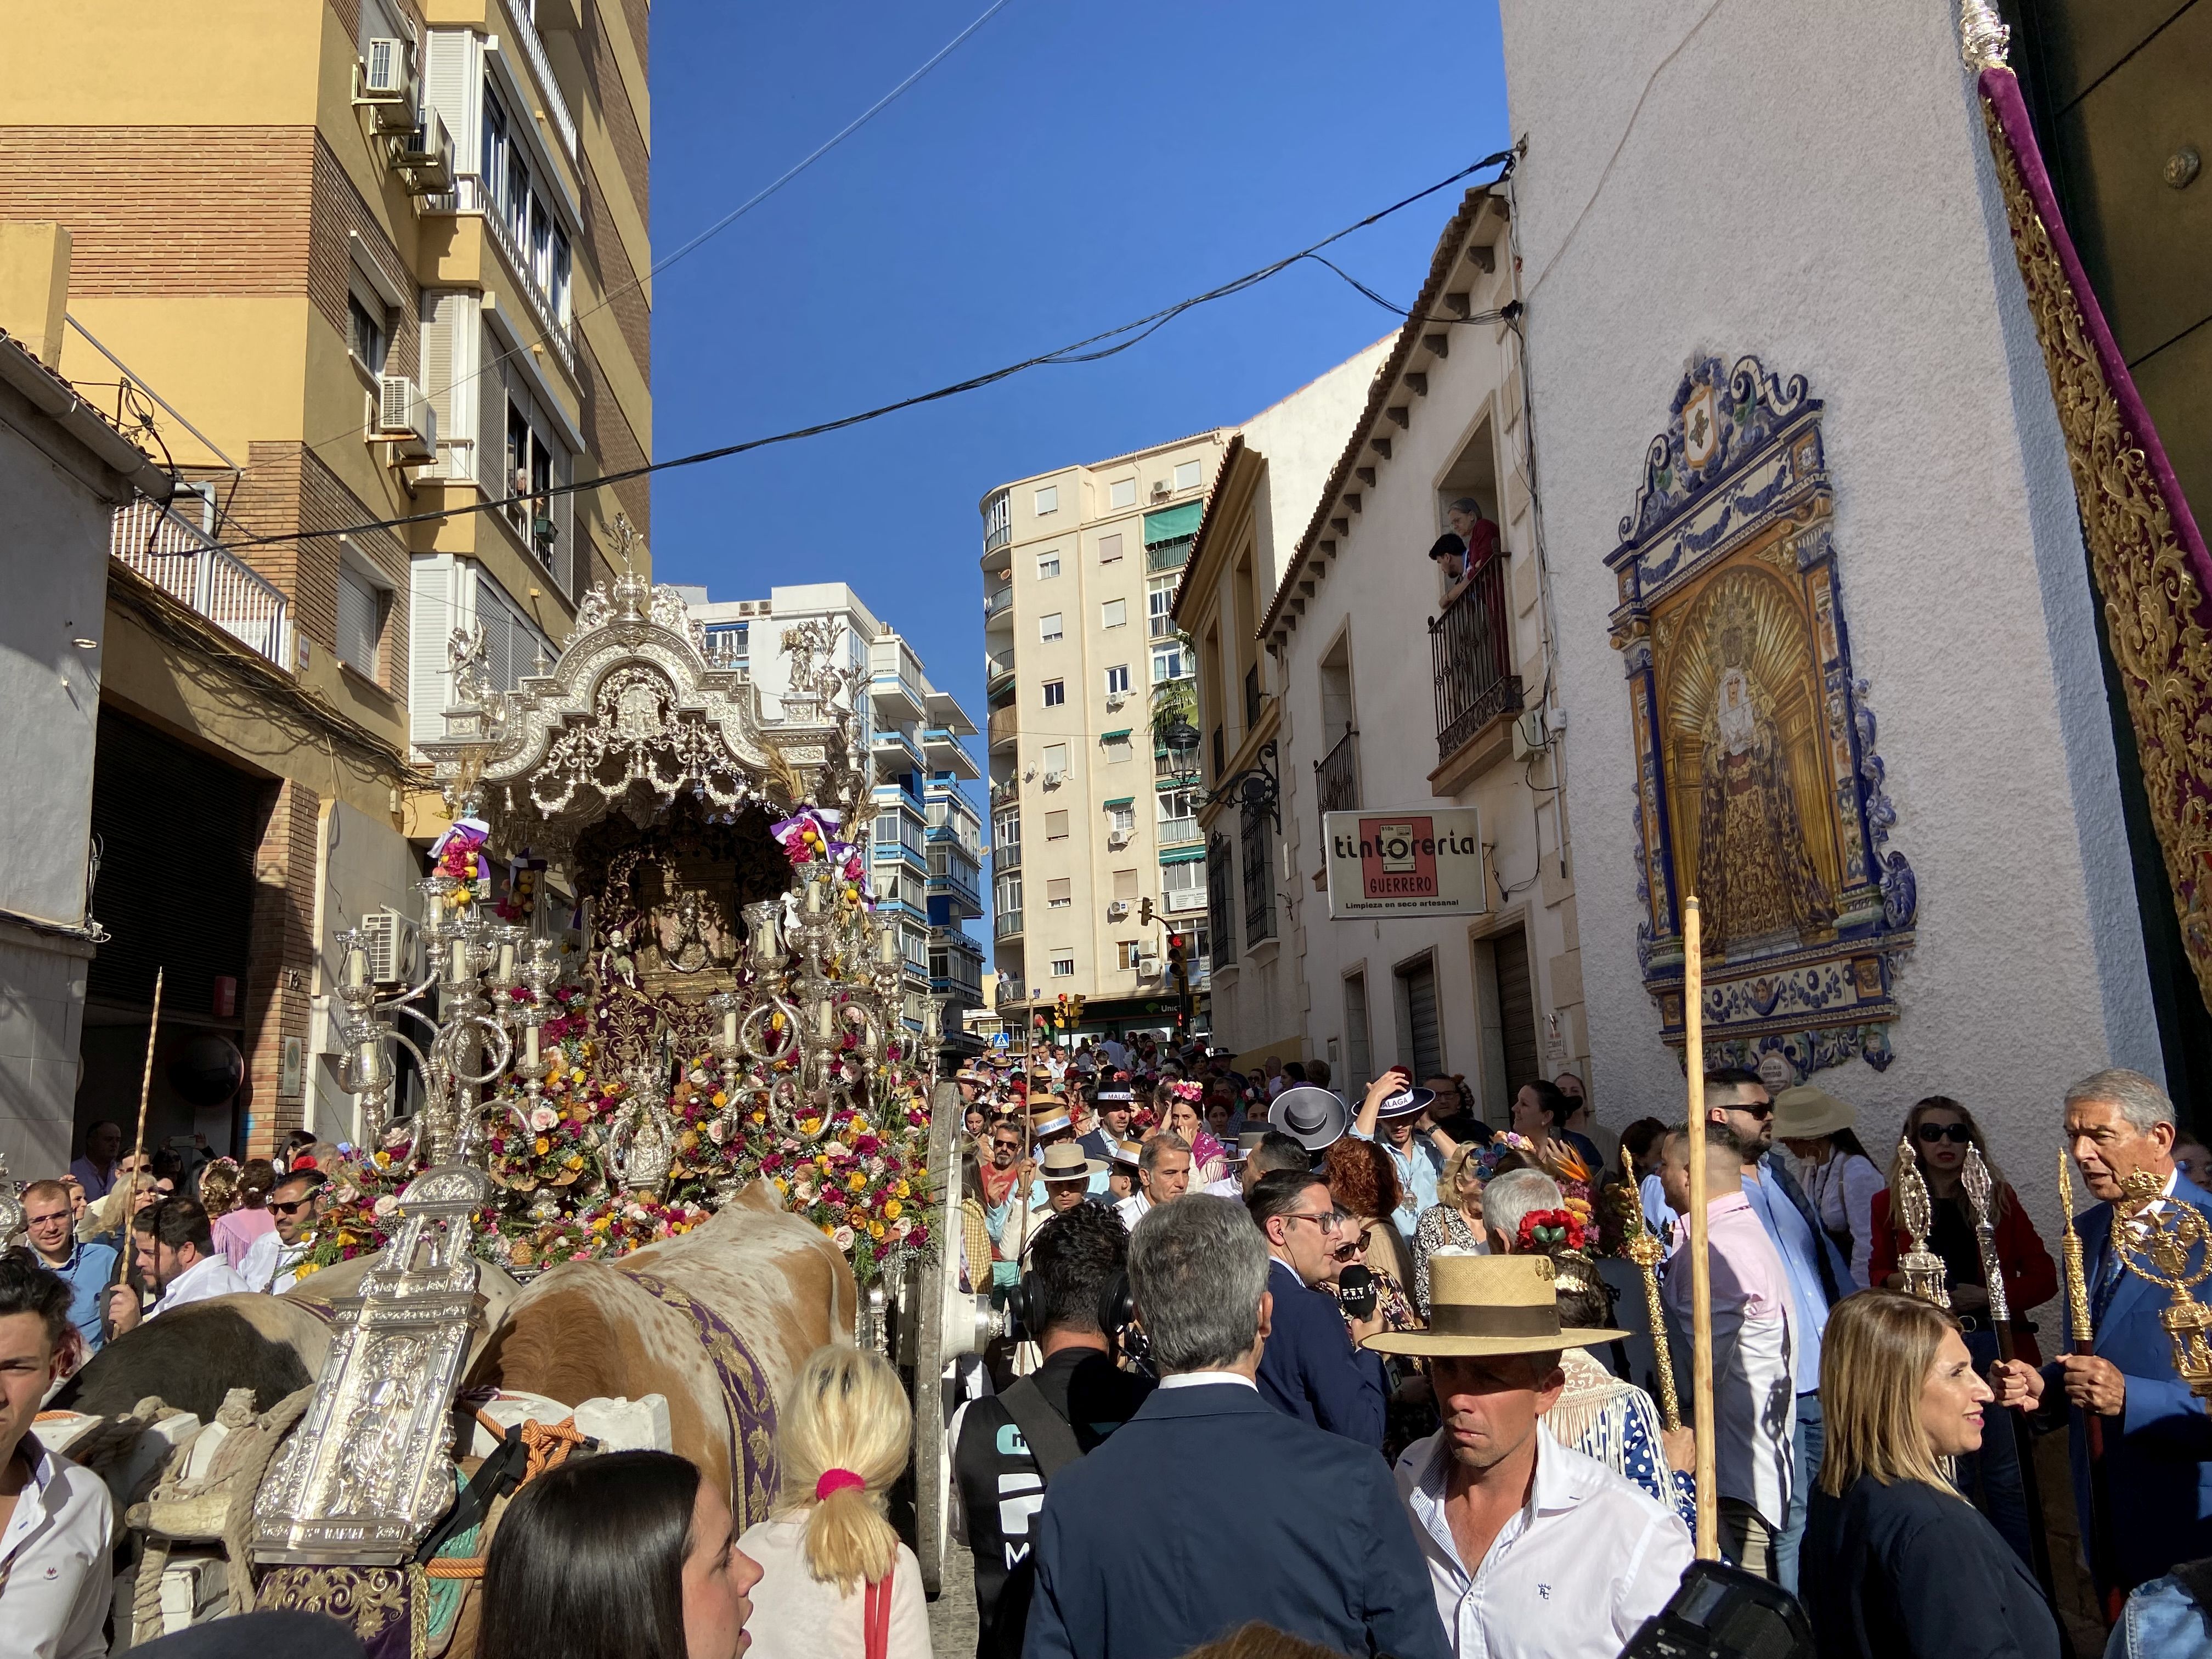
(1301, 436)
(366, 865)
(1809, 183)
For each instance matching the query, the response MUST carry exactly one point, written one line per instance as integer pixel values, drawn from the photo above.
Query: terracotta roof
(1421, 322)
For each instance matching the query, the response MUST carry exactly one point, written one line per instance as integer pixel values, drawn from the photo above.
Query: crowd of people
(1289, 1376)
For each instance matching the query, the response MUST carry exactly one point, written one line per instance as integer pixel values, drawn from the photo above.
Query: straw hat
(1048, 1116)
(1491, 1304)
(1069, 1162)
(1805, 1111)
(1130, 1152)
(1310, 1115)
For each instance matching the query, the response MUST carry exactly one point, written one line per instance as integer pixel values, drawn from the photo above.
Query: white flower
(385, 1206)
(842, 1238)
(715, 1131)
(802, 1192)
(544, 1119)
(835, 1150)
(902, 1227)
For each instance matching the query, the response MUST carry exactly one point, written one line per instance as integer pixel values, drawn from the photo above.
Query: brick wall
(602, 247)
(283, 960)
(287, 488)
(164, 211)
(608, 434)
(639, 15)
(339, 216)
(603, 73)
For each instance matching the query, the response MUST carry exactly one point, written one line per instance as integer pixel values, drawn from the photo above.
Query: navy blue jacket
(1209, 1508)
(2157, 1467)
(1309, 1368)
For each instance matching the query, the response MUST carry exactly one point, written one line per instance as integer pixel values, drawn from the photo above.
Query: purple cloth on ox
(746, 1397)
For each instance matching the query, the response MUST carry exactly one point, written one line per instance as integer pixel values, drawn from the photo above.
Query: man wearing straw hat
(1533, 1549)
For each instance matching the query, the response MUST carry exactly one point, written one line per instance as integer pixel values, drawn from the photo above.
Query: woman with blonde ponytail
(836, 1582)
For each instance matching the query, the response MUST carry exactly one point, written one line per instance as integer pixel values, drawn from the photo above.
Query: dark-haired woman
(626, 1556)
(1895, 1564)
(1540, 1111)
(1839, 1179)
(1939, 1130)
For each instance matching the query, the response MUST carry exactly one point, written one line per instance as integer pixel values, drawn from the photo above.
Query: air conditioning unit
(389, 941)
(383, 85)
(425, 156)
(1117, 838)
(1117, 910)
(1148, 967)
(1054, 780)
(1160, 491)
(1115, 699)
(404, 418)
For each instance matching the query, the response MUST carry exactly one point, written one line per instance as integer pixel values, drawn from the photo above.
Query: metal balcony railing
(1001, 600)
(997, 666)
(179, 560)
(556, 330)
(1006, 858)
(1176, 832)
(1336, 776)
(557, 106)
(1471, 652)
(1007, 924)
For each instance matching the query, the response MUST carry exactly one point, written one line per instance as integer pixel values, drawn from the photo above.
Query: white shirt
(271, 1265)
(1573, 1574)
(54, 1583)
(1841, 1191)
(1196, 1379)
(797, 1616)
(209, 1276)
(1230, 1186)
(1132, 1209)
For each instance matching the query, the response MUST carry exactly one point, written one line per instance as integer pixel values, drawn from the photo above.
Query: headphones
(1025, 1306)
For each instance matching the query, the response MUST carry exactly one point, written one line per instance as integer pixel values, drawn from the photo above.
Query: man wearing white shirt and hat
(272, 1261)
(177, 1256)
(1162, 1175)
(1533, 1549)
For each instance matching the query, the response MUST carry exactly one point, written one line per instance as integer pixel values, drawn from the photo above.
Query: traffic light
(1179, 972)
(1144, 911)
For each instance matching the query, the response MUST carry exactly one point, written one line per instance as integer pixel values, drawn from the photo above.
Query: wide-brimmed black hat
(1311, 1114)
(1407, 1101)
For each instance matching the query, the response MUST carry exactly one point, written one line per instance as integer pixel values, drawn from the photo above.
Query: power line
(1122, 336)
(722, 223)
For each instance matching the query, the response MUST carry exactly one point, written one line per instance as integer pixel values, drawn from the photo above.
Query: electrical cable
(1122, 336)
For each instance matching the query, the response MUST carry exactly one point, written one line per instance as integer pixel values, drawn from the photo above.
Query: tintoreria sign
(1418, 863)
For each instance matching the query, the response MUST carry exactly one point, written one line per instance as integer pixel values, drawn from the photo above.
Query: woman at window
(1939, 1130)
(836, 1582)
(625, 1556)
(1895, 1565)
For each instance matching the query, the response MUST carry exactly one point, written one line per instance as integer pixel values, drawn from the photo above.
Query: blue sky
(1069, 168)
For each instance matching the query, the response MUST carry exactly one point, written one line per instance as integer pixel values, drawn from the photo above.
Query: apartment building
(1086, 819)
(926, 840)
(1342, 668)
(336, 261)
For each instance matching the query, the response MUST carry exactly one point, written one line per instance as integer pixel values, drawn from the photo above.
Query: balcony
(999, 604)
(1336, 776)
(894, 681)
(1005, 730)
(1471, 656)
(946, 753)
(557, 107)
(895, 754)
(181, 560)
(1006, 856)
(1177, 832)
(998, 523)
(546, 306)
(1007, 924)
(998, 671)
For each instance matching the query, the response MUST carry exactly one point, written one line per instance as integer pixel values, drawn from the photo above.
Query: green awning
(1108, 736)
(1121, 800)
(1170, 522)
(1183, 856)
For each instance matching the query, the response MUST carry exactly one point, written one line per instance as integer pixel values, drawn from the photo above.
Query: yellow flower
(875, 1230)
(544, 1145)
(719, 1098)
(383, 1160)
(821, 1160)
(904, 1190)
(891, 1210)
(856, 1182)
(306, 1267)
(599, 1223)
(575, 1161)
(781, 1185)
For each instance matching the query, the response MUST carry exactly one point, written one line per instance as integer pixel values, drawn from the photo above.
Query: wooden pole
(138, 1141)
(1701, 1271)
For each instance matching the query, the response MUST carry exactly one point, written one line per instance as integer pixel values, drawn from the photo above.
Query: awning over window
(1120, 800)
(1109, 736)
(1172, 522)
(1183, 856)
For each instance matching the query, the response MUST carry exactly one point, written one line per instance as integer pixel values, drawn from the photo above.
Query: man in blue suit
(1310, 1369)
(2146, 1504)
(1133, 1540)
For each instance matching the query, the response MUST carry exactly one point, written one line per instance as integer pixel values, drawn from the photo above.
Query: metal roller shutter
(1516, 1010)
(1417, 992)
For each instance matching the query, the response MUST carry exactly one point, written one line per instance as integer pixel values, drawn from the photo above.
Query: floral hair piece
(1543, 1231)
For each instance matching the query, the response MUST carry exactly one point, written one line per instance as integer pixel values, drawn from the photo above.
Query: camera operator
(1007, 1447)
(1309, 1367)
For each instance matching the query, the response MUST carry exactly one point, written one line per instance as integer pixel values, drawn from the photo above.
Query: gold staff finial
(1921, 1267)
(2070, 1250)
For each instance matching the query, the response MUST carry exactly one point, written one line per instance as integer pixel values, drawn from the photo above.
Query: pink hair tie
(836, 1481)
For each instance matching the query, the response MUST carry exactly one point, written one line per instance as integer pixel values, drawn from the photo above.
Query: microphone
(1355, 1291)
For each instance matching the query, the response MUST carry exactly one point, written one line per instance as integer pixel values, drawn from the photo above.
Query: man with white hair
(1128, 1555)
(2155, 1462)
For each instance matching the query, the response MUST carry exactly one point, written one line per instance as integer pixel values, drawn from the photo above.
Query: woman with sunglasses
(1939, 1130)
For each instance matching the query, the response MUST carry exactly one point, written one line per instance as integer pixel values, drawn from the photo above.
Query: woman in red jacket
(1939, 1130)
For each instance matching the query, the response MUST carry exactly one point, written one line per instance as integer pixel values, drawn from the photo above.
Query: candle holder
(1921, 1267)
(2170, 1245)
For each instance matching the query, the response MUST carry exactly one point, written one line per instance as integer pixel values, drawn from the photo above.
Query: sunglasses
(1764, 1108)
(1957, 1133)
(293, 1208)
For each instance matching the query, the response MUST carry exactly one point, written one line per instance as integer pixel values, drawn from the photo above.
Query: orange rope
(548, 1446)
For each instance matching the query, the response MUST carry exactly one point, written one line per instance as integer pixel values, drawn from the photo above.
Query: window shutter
(1109, 548)
(1055, 825)
(438, 374)
(360, 614)
(1058, 889)
(429, 622)
(1124, 884)
(449, 80)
